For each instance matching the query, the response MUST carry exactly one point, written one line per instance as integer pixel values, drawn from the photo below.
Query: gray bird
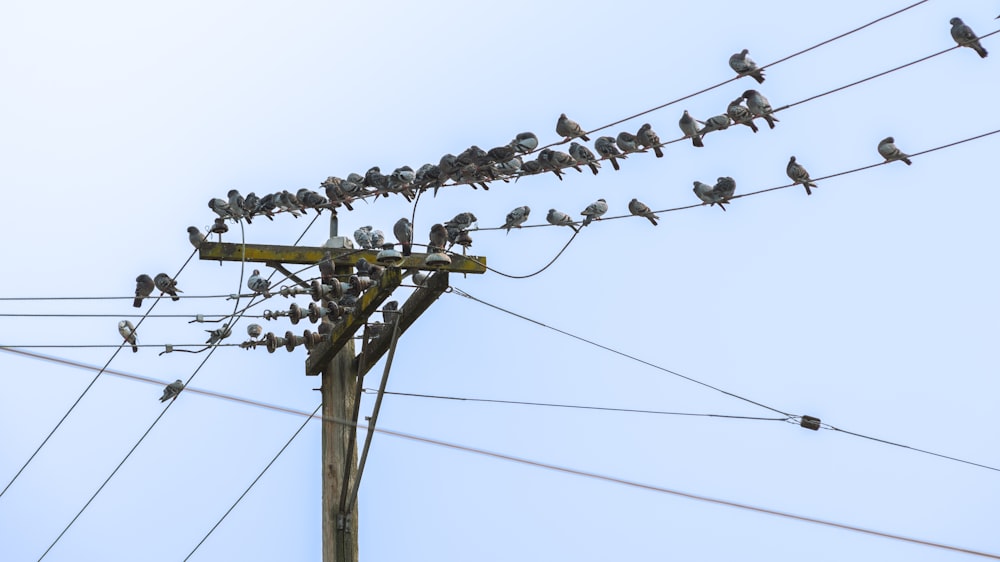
(127, 330)
(172, 390)
(377, 181)
(403, 231)
(605, 146)
(705, 193)
(217, 335)
(560, 218)
(439, 238)
(236, 203)
(517, 217)
(715, 123)
(327, 269)
(283, 201)
(740, 114)
(195, 236)
(251, 206)
(220, 207)
(378, 238)
(462, 221)
(167, 285)
(259, 285)
(312, 200)
(390, 312)
(690, 128)
(501, 154)
(267, 205)
(798, 174)
(965, 37)
(363, 236)
(759, 106)
(648, 138)
(887, 148)
(144, 286)
(725, 188)
(640, 209)
(569, 129)
(594, 211)
(627, 142)
(524, 142)
(745, 66)
(583, 155)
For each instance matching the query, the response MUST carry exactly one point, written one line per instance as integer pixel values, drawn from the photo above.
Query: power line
(876, 439)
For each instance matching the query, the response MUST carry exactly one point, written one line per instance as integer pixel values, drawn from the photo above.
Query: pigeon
(627, 142)
(501, 154)
(144, 286)
(195, 236)
(690, 129)
(378, 238)
(605, 146)
(282, 200)
(583, 155)
(312, 200)
(517, 217)
(744, 66)
(560, 218)
(220, 207)
(390, 312)
(375, 180)
(293, 202)
(167, 285)
(509, 168)
(715, 123)
(740, 114)
(327, 269)
(236, 203)
(705, 193)
(887, 148)
(648, 138)
(594, 211)
(964, 36)
(127, 330)
(640, 209)
(403, 232)
(725, 188)
(439, 238)
(172, 390)
(531, 167)
(267, 205)
(363, 237)
(462, 221)
(569, 129)
(759, 106)
(524, 142)
(259, 285)
(798, 174)
(218, 334)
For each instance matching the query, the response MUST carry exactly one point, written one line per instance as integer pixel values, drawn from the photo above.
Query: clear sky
(870, 304)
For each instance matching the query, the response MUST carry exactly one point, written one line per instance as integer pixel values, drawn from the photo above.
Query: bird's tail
(979, 49)
(659, 153)
(758, 76)
(695, 140)
(652, 219)
(587, 139)
(614, 163)
(137, 302)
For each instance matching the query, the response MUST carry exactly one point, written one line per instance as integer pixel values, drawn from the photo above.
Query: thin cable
(103, 345)
(552, 261)
(577, 407)
(462, 293)
(64, 315)
(130, 297)
(926, 452)
(255, 480)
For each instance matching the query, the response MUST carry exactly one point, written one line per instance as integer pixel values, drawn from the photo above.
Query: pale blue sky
(870, 304)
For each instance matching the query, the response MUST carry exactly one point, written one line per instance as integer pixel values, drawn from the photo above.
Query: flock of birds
(477, 168)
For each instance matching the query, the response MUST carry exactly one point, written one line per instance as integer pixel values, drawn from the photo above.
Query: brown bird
(569, 129)
(143, 288)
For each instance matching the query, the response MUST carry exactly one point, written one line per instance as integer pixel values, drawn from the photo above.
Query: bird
(605, 146)
(195, 236)
(640, 209)
(524, 142)
(327, 269)
(259, 285)
(283, 201)
(627, 142)
(462, 221)
(390, 312)
(127, 330)
(705, 193)
(569, 129)
(517, 217)
(583, 155)
(648, 138)
(560, 218)
(887, 148)
(501, 154)
(403, 231)
(715, 123)
(144, 286)
(690, 129)
(172, 390)
(594, 211)
(378, 238)
(759, 106)
(218, 334)
(220, 207)
(236, 203)
(965, 37)
(725, 188)
(363, 237)
(798, 174)
(745, 66)
(251, 206)
(740, 114)
(439, 238)
(167, 285)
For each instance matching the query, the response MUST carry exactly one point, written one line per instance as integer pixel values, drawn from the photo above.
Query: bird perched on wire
(583, 155)
(965, 37)
(363, 236)
(715, 123)
(259, 285)
(759, 106)
(648, 138)
(705, 193)
(569, 129)
(403, 231)
(524, 142)
(560, 218)
(517, 217)
(172, 390)
(745, 66)
(640, 209)
(439, 238)
(195, 236)
(740, 114)
(218, 334)
(378, 238)
(283, 201)
(690, 129)
(220, 207)
(127, 330)
(594, 211)
(724, 189)
(798, 174)
(887, 148)
(462, 221)
(236, 203)
(327, 269)
(167, 285)
(144, 286)
(627, 142)
(605, 146)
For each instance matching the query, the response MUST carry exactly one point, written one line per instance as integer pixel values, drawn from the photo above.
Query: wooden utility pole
(334, 357)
